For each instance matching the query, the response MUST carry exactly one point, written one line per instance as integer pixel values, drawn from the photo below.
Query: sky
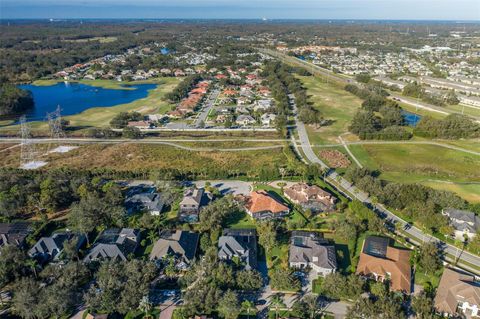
(243, 9)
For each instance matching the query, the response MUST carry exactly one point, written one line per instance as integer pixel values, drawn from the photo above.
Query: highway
(412, 233)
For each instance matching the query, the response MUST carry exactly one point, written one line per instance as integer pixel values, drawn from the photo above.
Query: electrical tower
(55, 124)
(27, 154)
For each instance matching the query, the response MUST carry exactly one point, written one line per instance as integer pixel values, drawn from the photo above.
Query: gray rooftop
(308, 247)
(241, 243)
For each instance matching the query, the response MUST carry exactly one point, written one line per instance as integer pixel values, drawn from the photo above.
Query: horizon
(397, 10)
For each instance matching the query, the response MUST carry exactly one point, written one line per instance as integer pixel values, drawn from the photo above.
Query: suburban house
(14, 233)
(193, 201)
(464, 222)
(182, 245)
(240, 244)
(114, 243)
(268, 119)
(261, 205)
(245, 120)
(379, 261)
(458, 295)
(310, 250)
(50, 248)
(151, 202)
(310, 197)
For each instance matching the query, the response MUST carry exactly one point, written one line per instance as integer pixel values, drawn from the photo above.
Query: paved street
(206, 107)
(229, 187)
(416, 236)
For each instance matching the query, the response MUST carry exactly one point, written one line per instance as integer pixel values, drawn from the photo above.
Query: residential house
(458, 295)
(245, 120)
(50, 248)
(261, 205)
(151, 202)
(310, 250)
(182, 245)
(464, 222)
(310, 197)
(240, 244)
(14, 233)
(114, 243)
(193, 201)
(382, 262)
(268, 119)
(263, 105)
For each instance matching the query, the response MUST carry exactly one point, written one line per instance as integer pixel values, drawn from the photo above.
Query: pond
(411, 118)
(75, 98)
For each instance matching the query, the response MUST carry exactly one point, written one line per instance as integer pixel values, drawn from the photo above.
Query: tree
(284, 279)
(276, 302)
(248, 306)
(12, 263)
(132, 132)
(14, 100)
(429, 257)
(311, 303)
(228, 306)
(267, 235)
(422, 305)
(26, 298)
(338, 286)
(249, 280)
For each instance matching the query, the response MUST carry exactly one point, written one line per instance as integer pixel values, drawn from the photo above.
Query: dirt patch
(335, 159)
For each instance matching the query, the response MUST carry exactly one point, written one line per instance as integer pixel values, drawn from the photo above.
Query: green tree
(228, 306)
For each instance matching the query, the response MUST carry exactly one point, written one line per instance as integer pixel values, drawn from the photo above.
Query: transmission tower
(27, 154)
(55, 124)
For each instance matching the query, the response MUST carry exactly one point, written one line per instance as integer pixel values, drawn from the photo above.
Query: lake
(75, 98)
(411, 118)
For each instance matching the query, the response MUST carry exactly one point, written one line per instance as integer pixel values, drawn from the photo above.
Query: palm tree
(277, 302)
(32, 263)
(311, 301)
(152, 236)
(247, 305)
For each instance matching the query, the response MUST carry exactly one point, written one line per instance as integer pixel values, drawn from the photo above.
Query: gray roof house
(193, 201)
(464, 222)
(180, 244)
(310, 250)
(151, 202)
(114, 243)
(50, 248)
(14, 233)
(239, 243)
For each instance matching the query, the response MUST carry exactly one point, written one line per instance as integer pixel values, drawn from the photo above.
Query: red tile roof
(261, 201)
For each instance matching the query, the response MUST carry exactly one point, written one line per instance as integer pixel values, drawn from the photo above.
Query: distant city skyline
(246, 9)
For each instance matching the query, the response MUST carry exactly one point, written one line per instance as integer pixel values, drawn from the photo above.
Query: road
(413, 234)
(207, 106)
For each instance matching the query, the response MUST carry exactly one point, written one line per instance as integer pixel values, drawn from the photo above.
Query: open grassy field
(99, 39)
(130, 156)
(431, 165)
(335, 104)
(101, 116)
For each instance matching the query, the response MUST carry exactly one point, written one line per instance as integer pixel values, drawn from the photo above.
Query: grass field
(99, 39)
(431, 165)
(335, 104)
(125, 157)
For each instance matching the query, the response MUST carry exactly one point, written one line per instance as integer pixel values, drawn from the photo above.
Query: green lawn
(431, 165)
(335, 104)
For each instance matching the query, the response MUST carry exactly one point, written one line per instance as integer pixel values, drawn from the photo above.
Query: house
(182, 245)
(96, 316)
(260, 205)
(114, 243)
(381, 262)
(193, 201)
(143, 125)
(50, 248)
(262, 105)
(245, 120)
(14, 233)
(151, 202)
(240, 244)
(458, 295)
(268, 119)
(310, 250)
(464, 223)
(310, 197)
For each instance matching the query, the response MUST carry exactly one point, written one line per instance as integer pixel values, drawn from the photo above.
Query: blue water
(165, 51)
(411, 118)
(75, 98)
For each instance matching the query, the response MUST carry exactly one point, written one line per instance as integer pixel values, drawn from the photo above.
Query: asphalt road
(207, 106)
(416, 236)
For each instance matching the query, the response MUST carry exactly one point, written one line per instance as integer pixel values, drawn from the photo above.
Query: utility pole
(27, 153)
(55, 124)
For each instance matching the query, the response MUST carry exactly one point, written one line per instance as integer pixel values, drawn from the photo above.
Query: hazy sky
(252, 9)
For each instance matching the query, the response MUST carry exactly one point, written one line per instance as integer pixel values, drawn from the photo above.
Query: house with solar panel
(308, 250)
(114, 243)
(14, 233)
(239, 244)
(381, 262)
